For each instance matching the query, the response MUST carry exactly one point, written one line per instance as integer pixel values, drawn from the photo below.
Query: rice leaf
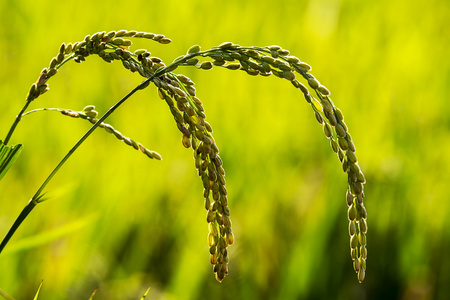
(93, 294)
(38, 291)
(145, 295)
(8, 154)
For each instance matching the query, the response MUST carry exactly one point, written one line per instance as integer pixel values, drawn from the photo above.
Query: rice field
(117, 221)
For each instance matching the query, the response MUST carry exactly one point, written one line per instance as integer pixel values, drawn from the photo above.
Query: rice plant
(179, 92)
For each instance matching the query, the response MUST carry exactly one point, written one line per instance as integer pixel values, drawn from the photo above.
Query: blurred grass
(386, 64)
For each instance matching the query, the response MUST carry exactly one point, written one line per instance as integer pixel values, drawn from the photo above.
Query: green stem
(16, 121)
(21, 113)
(38, 195)
(42, 109)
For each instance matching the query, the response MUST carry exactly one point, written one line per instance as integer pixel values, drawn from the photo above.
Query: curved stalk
(16, 121)
(37, 197)
(22, 111)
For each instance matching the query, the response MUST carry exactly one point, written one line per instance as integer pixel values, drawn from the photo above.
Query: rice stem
(37, 197)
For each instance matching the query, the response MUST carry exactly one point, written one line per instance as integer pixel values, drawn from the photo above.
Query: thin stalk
(41, 109)
(21, 113)
(16, 121)
(36, 199)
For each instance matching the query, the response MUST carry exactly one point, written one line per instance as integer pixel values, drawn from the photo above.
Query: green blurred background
(120, 222)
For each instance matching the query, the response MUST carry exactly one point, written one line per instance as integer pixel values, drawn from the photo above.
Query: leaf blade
(8, 155)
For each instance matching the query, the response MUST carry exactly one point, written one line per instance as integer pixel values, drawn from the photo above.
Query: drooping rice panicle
(274, 60)
(89, 113)
(188, 112)
(179, 93)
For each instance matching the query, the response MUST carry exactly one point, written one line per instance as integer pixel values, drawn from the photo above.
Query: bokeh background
(120, 222)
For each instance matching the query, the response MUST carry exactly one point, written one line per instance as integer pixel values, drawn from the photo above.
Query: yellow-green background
(118, 221)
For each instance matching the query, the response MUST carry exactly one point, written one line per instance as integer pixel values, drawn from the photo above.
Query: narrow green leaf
(50, 235)
(38, 291)
(145, 295)
(93, 294)
(5, 295)
(8, 154)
